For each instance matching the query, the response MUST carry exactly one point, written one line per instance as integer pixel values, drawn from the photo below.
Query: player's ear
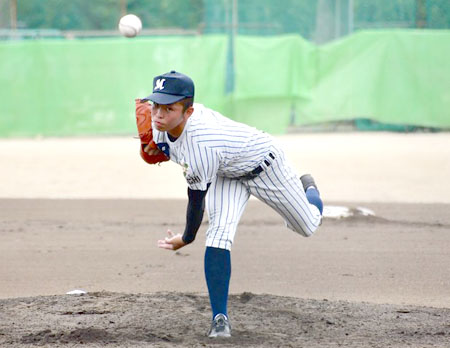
(189, 111)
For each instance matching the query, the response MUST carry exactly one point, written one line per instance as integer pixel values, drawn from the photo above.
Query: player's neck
(177, 131)
(171, 137)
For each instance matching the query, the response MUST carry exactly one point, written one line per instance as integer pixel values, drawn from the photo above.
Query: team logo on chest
(190, 177)
(185, 169)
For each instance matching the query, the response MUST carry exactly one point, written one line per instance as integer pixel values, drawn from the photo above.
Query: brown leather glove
(144, 126)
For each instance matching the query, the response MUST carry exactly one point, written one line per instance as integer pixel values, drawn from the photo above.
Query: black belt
(255, 172)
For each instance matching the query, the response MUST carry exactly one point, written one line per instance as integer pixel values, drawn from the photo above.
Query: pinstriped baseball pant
(278, 186)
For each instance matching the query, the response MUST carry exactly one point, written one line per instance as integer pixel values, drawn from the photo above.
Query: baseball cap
(171, 87)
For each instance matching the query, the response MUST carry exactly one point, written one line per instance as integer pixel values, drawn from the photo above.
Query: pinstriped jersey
(212, 144)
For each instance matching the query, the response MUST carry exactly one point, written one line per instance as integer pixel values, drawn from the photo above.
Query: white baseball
(130, 25)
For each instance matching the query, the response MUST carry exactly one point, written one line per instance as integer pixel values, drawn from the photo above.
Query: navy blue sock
(312, 194)
(218, 273)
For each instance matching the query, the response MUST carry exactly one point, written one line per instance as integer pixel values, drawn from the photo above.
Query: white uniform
(214, 149)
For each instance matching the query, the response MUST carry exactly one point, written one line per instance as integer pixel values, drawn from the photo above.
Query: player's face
(170, 118)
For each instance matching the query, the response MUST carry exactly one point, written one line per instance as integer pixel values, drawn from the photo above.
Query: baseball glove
(144, 126)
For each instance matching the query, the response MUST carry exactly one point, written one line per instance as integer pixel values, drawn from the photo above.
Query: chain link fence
(319, 21)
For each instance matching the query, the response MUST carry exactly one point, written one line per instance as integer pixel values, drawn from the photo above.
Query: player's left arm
(194, 217)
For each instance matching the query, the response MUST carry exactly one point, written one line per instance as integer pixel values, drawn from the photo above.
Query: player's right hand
(151, 151)
(172, 242)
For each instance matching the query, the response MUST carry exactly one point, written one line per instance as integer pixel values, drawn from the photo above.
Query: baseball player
(224, 162)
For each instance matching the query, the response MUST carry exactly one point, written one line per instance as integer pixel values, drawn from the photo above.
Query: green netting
(60, 87)
(268, 67)
(322, 20)
(396, 76)
(69, 87)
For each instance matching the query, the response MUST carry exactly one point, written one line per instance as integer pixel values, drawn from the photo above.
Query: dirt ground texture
(361, 281)
(179, 319)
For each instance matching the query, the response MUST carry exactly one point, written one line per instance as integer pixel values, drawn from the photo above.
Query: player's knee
(303, 230)
(219, 243)
(307, 233)
(220, 237)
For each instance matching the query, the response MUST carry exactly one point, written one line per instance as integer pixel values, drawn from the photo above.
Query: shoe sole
(220, 336)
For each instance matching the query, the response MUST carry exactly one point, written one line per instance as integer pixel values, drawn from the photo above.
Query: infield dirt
(379, 281)
(359, 282)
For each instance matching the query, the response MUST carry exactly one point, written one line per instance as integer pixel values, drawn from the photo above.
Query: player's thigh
(281, 188)
(225, 203)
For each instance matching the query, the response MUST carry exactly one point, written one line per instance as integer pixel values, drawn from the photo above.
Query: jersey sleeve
(194, 214)
(201, 166)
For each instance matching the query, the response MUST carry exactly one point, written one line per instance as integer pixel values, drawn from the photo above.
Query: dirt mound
(182, 319)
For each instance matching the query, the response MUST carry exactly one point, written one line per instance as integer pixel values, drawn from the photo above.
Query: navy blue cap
(171, 87)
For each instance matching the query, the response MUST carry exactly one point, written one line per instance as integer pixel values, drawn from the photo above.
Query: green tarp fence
(83, 87)
(77, 87)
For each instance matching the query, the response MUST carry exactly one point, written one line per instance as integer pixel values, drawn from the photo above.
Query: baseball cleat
(308, 181)
(220, 326)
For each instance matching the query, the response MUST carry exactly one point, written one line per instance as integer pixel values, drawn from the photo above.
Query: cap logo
(159, 84)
